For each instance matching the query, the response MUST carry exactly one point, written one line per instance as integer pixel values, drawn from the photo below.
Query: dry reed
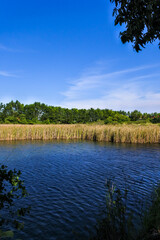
(107, 133)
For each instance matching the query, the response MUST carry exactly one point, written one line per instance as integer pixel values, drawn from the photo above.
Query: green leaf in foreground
(12, 189)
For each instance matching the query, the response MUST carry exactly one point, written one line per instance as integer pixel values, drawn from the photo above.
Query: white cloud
(124, 89)
(7, 49)
(6, 74)
(127, 101)
(4, 48)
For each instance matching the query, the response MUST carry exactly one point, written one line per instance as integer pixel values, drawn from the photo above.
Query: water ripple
(66, 182)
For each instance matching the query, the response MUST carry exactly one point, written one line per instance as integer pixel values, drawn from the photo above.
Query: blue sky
(69, 54)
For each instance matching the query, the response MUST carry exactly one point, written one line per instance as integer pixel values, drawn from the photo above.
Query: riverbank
(107, 133)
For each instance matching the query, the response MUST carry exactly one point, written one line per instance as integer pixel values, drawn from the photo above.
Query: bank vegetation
(120, 133)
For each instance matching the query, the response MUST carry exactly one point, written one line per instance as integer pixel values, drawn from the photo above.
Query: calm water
(66, 182)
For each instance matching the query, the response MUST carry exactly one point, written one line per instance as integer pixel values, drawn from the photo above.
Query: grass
(107, 133)
(151, 220)
(118, 223)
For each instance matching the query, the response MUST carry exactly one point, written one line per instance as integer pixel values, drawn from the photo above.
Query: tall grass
(116, 222)
(151, 220)
(119, 223)
(107, 133)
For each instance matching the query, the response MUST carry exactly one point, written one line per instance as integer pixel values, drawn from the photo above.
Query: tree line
(15, 112)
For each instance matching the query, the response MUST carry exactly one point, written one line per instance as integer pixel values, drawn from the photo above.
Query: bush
(151, 220)
(117, 118)
(11, 189)
(10, 119)
(116, 222)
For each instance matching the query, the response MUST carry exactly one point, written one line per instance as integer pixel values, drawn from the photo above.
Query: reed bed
(106, 133)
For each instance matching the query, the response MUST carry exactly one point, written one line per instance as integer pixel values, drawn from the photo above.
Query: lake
(66, 182)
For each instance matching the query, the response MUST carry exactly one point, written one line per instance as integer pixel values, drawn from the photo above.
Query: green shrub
(117, 118)
(11, 189)
(116, 222)
(151, 219)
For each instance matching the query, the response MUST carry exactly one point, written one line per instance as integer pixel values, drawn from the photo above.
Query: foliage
(141, 19)
(116, 222)
(39, 113)
(151, 220)
(11, 189)
(135, 115)
(117, 118)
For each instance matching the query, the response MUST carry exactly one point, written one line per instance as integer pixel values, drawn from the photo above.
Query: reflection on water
(66, 181)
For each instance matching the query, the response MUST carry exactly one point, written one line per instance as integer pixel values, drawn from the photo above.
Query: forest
(15, 112)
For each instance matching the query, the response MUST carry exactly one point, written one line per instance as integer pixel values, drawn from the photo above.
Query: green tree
(155, 118)
(74, 114)
(11, 189)
(1, 112)
(10, 120)
(141, 19)
(11, 111)
(135, 115)
(83, 116)
(109, 120)
(117, 118)
(33, 112)
(22, 119)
